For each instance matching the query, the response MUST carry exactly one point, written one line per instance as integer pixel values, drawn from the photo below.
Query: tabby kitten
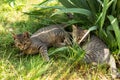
(96, 51)
(41, 40)
(78, 33)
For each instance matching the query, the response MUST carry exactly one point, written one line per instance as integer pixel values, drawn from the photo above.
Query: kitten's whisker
(84, 37)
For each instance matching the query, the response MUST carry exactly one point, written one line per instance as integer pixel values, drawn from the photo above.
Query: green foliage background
(29, 15)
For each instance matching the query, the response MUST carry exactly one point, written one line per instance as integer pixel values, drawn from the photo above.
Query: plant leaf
(58, 50)
(116, 29)
(67, 3)
(73, 10)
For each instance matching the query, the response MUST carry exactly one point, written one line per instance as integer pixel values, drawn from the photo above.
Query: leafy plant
(116, 29)
(93, 13)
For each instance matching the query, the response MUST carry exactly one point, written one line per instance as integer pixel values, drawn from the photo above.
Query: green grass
(31, 67)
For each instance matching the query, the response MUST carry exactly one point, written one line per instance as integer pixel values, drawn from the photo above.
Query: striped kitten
(41, 40)
(96, 51)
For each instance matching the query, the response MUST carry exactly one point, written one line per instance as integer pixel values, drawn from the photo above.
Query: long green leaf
(116, 29)
(110, 40)
(45, 2)
(114, 6)
(58, 50)
(89, 30)
(77, 3)
(104, 11)
(80, 4)
(85, 4)
(106, 5)
(52, 7)
(67, 4)
(73, 10)
(92, 6)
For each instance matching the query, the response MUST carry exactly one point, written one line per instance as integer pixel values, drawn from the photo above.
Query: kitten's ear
(74, 27)
(26, 34)
(14, 36)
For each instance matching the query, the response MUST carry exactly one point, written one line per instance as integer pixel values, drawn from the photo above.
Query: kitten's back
(51, 34)
(96, 50)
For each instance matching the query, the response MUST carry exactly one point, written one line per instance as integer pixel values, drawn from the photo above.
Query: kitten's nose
(22, 48)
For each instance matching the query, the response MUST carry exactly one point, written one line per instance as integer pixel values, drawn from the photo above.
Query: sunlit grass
(31, 67)
(1, 28)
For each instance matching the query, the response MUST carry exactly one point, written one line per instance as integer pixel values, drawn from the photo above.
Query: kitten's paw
(18, 55)
(116, 76)
(47, 59)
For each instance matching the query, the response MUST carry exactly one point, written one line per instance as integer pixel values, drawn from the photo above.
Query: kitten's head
(78, 33)
(22, 41)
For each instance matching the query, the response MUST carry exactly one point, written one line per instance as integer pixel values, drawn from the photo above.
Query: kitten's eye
(25, 43)
(18, 44)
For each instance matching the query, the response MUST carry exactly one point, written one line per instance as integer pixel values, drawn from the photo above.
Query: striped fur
(41, 40)
(96, 51)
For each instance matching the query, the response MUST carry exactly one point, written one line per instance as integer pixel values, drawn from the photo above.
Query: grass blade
(92, 6)
(77, 3)
(106, 5)
(45, 2)
(116, 29)
(73, 10)
(104, 11)
(89, 30)
(114, 6)
(50, 7)
(58, 50)
(67, 4)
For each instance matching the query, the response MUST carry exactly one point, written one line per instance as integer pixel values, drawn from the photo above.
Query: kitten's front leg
(59, 45)
(67, 41)
(20, 54)
(114, 71)
(43, 51)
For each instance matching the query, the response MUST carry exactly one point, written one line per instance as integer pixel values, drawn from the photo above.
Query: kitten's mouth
(22, 49)
(25, 48)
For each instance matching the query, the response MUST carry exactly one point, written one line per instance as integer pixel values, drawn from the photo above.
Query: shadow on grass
(31, 67)
(28, 66)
